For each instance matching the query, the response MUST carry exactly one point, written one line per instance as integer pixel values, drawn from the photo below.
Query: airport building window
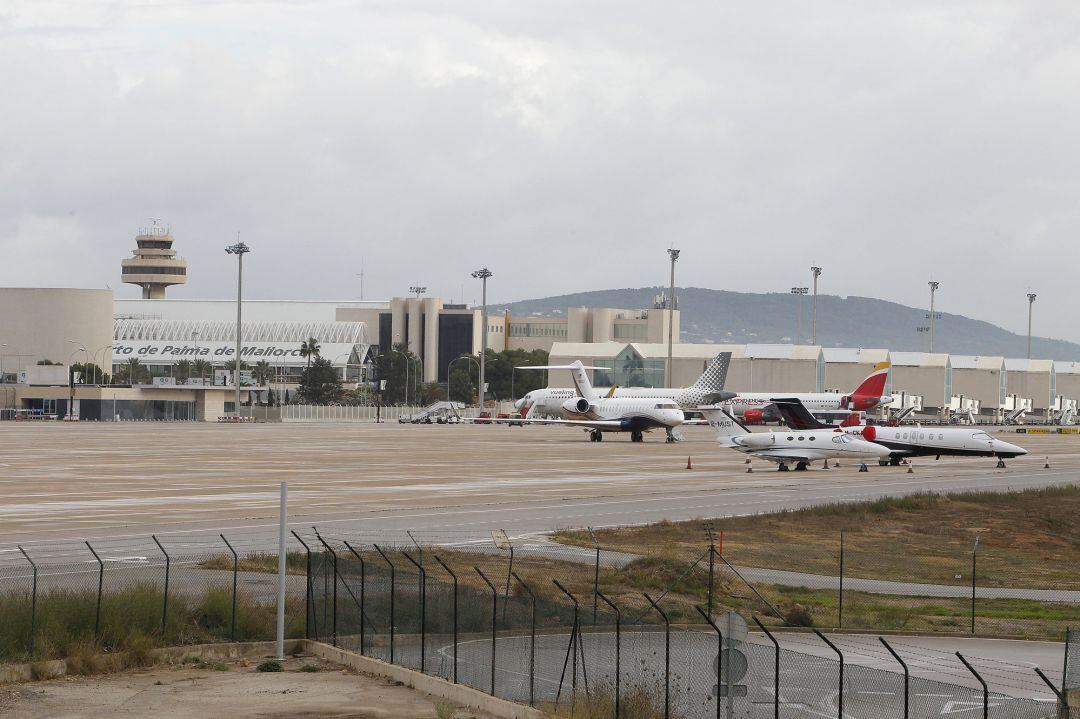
(631, 331)
(538, 329)
(629, 370)
(455, 340)
(134, 270)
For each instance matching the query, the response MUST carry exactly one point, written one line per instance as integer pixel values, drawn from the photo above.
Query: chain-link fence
(1071, 680)
(537, 622)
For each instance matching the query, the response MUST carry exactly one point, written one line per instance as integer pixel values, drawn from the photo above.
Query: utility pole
(798, 292)
(483, 274)
(933, 315)
(1031, 305)
(674, 254)
(239, 249)
(816, 272)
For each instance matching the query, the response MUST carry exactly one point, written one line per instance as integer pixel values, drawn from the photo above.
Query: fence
(534, 622)
(1071, 680)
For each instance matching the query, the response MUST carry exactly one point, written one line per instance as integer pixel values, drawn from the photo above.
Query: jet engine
(869, 433)
(578, 405)
(760, 440)
(753, 416)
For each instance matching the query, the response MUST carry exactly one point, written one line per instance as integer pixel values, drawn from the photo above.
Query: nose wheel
(596, 436)
(637, 437)
(782, 467)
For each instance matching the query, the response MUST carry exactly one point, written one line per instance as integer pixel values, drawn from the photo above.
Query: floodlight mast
(239, 249)
(483, 274)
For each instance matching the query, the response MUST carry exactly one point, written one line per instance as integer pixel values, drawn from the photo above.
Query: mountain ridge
(727, 317)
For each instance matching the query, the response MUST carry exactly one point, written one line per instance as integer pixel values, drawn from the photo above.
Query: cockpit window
(981, 436)
(842, 439)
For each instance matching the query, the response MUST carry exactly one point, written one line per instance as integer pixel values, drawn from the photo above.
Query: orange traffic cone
(1047, 465)
(910, 468)
(689, 464)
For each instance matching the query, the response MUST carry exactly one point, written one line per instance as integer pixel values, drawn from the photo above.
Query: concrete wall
(978, 384)
(36, 323)
(928, 382)
(772, 375)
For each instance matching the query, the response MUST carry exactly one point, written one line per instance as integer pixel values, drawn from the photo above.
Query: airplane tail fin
(577, 373)
(874, 385)
(715, 375)
(725, 425)
(796, 415)
(852, 420)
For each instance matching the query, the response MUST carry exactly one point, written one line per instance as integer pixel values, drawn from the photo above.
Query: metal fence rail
(534, 621)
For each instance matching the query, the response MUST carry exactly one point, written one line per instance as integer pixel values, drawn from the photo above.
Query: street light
(798, 292)
(1031, 305)
(483, 274)
(933, 315)
(98, 372)
(239, 249)
(816, 272)
(674, 255)
(71, 380)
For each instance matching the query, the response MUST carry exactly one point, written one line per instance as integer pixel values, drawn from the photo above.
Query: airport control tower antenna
(154, 265)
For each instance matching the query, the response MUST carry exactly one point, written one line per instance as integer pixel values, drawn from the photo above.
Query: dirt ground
(225, 690)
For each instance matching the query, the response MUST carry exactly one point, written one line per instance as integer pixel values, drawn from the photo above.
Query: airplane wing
(606, 424)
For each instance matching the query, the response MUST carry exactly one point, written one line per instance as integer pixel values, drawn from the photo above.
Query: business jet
(597, 415)
(798, 447)
(908, 441)
(708, 389)
(758, 406)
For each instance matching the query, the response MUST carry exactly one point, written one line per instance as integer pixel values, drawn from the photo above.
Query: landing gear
(637, 437)
(800, 467)
(671, 436)
(894, 461)
(1000, 463)
(883, 463)
(781, 467)
(596, 436)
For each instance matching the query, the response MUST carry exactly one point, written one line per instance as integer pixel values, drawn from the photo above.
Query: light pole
(71, 380)
(483, 274)
(99, 371)
(1031, 305)
(2, 347)
(816, 272)
(933, 315)
(451, 364)
(798, 292)
(674, 255)
(239, 249)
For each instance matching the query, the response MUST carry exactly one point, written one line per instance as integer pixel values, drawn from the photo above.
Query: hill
(745, 317)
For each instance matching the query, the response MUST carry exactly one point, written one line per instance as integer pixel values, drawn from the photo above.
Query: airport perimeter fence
(533, 621)
(1071, 680)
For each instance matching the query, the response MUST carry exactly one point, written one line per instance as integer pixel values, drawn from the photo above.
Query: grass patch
(270, 665)
(259, 562)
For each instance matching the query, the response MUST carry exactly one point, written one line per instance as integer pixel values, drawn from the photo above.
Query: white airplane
(708, 389)
(909, 441)
(758, 406)
(793, 446)
(597, 414)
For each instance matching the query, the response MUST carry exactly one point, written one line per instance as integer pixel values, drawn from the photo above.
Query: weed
(311, 668)
(270, 665)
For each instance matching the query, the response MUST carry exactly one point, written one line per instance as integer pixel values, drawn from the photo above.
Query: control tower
(154, 265)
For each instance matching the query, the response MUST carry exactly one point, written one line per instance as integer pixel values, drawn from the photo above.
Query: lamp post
(71, 380)
(674, 255)
(816, 272)
(99, 371)
(451, 364)
(483, 274)
(933, 315)
(239, 249)
(2, 347)
(798, 292)
(1031, 305)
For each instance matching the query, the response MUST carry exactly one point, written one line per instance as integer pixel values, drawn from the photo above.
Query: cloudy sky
(564, 143)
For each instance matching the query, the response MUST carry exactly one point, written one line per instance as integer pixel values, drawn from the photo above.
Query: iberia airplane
(759, 407)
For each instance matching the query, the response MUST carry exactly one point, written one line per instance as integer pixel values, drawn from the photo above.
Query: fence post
(453, 577)
(571, 648)
(100, 584)
(618, 650)
(986, 689)
(532, 643)
(509, 573)
(423, 610)
(596, 574)
(357, 555)
(840, 701)
(392, 587)
(974, 555)
(235, 571)
(333, 630)
(719, 656)
(34, 600)
(907, 676)
(165, 597)
(494, 622)
(840, 606)
(1062, 698)
(325, 576)
(667, 654)
(776, 668)
(309, 610)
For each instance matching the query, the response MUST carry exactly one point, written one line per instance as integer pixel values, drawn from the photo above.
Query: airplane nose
(1003, 447)
(520, 403)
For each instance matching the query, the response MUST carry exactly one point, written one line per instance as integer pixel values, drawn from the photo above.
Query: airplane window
(812, 439)
(802, 439)
(982, 436)
(790, 439)
(922, 435)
